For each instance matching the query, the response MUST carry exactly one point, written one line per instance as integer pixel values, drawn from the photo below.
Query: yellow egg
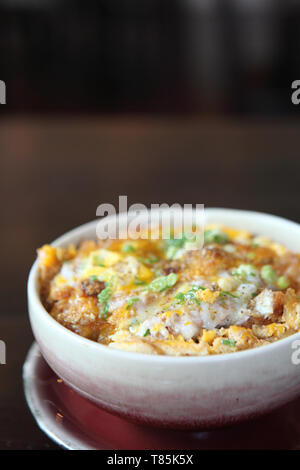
(105, 257)
(208, 336)
(145, 274)
(60, 280)
(93, 271)
(48, 255)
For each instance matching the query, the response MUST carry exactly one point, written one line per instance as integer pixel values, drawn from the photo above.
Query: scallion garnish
(163, 282)
(182, 297)
(131, 302)
(215, 236)
(138, 282)
(127, 248)
(103, 298)
(229, 342)
(149, 260)
(224, 292)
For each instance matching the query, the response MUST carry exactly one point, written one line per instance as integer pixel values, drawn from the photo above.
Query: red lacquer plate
(76, 423)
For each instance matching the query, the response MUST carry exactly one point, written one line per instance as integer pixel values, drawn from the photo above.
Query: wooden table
(18, 430)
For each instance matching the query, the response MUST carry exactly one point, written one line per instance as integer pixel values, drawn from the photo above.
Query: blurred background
(170, 101)
(183, 101)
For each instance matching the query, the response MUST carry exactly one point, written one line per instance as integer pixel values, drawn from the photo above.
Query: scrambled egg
(162, 297)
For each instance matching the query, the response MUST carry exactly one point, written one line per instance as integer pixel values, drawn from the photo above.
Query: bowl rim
(34, 299)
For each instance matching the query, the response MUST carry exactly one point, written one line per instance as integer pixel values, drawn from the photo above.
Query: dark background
(224, 57)
(162, 101)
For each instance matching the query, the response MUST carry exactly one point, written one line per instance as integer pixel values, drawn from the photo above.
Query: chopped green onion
(151, 260)
(177, 242)
(163, 282)
(94, 278)
(224, 292)
(138, 282)
(228, 342)
(251, 255)
(131, 302)
(245, 271)
(283, 282)
(103, 298)
(215, 236)
(98, 261)
(180, 298)
(268, 274)
(190, 295)
(127, 248)
(171, 252)
(104, 310)
(147, 332)
(174, 244)
(105, 295)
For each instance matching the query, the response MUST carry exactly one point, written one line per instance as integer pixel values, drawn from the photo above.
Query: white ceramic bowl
(175, 392)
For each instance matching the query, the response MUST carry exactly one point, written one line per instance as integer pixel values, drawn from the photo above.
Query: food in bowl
(239, 291)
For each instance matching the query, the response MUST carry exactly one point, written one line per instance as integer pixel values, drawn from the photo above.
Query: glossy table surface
(18, 429)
